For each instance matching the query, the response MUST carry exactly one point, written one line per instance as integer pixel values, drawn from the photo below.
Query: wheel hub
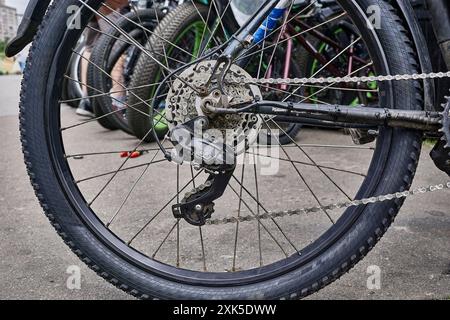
(185, 104)
(205, 138)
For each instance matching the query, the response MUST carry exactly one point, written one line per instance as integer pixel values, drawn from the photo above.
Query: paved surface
(9, 88)
(414, 256)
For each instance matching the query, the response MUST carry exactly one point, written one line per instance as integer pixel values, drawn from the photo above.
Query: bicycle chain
(347, 79)
(347, 204)
(341, 205)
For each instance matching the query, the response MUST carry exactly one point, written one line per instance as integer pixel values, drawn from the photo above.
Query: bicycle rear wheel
(157, 256)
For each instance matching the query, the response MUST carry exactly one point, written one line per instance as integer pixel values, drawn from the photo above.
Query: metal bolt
(248, 41)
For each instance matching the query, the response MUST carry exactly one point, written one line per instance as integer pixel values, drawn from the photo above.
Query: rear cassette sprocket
(441, 152)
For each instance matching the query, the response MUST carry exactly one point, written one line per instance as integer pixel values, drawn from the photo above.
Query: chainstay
(347, 79)
(340, 205)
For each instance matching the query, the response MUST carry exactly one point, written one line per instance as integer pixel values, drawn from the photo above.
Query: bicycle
(290, 252)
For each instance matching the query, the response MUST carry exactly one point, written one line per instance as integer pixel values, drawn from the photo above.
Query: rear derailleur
(216, 158)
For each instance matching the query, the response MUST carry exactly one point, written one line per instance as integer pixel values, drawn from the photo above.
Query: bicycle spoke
(302, 178)
(81, 155)
(130, 43)
(277, 42)
(203, 249)
(165, 55)
(200, 228)
(133, 187)
(335, 146)
(105, 94)
(257, 211)
(259, 221)
(327, 64)
(164, 240)
(122, 86)
(275, 47)
(146, 30)
(261, 57)
(122, 32)
(161, 210)
(136, 12)
(193, 179)
(220, 16)
(205, 28)
(308, 164)
(266, 211)
(245, 56)
(117, 171)
(338, 88)
(336, 57)
(125, 89)
(277, 29)
(236, 234)
(121, 166)
(137, 44)
(178, 220)
(206, 21)
(112, 112)
(315, 164)
(217, 26)
(333, 83)
(289, 93)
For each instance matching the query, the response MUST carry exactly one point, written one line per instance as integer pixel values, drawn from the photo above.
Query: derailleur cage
(216, 158)
(198, 205)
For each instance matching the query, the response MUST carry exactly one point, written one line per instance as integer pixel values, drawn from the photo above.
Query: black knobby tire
(106, 53)
(392, 170)
(147, 69)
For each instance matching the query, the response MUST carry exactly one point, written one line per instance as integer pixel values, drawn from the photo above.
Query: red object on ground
(135, 155)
